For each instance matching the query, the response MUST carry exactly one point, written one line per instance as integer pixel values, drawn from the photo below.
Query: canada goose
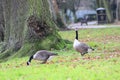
(42, 55)
(80, 46)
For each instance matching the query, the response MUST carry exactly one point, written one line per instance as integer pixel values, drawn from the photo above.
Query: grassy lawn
(102, 64)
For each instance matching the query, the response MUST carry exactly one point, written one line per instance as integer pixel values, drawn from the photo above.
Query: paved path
(90, 25)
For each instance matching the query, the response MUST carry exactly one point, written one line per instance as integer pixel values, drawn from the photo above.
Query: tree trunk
(108, 11)
(106, 5)
(56, 14)
(118, 10)
(28, 27)
(1, 23)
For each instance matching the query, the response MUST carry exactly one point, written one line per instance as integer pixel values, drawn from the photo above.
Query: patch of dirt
(103, 56)
(77, 58)
(104, 39)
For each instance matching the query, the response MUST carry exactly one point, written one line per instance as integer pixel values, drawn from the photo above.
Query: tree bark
(1, 23)
(28, 27)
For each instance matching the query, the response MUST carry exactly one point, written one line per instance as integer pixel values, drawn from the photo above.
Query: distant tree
(118, 10)
(112, 8)
(56, 14)
(72, 5)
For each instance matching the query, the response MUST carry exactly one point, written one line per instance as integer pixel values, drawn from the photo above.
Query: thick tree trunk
(28, 28)
(56, 14)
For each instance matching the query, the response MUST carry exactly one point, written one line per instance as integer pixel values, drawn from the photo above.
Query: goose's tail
(91, 49)
(54, 54)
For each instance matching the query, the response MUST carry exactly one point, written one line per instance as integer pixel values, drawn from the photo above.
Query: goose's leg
(82, 54)
(45, 60)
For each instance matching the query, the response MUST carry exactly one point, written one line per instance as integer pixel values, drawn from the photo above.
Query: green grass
(102, 64)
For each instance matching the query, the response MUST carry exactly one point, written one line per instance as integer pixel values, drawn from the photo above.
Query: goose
(42, 55)
(80, 46)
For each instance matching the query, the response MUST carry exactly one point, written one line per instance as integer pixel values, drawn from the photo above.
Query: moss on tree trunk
(24, 37)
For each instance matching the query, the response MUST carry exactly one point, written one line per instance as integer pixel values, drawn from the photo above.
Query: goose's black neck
(30, 58)
(77, 35)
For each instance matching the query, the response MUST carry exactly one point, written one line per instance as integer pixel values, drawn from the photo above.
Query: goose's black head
(28, 63)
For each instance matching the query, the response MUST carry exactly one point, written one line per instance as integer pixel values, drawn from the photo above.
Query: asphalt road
(90, 25)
